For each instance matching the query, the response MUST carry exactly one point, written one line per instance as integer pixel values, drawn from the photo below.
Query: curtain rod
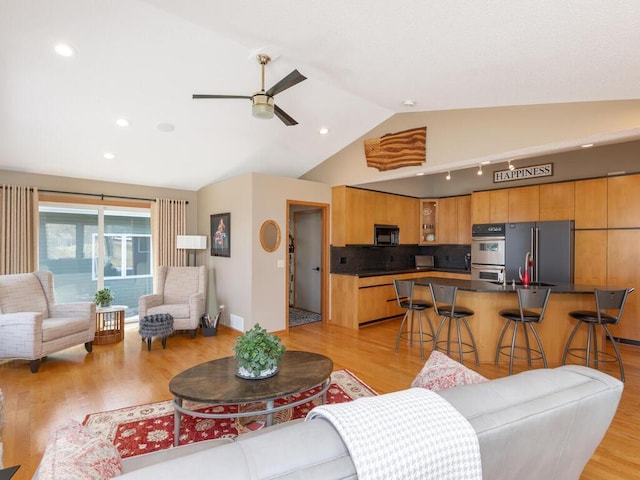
(102, 195)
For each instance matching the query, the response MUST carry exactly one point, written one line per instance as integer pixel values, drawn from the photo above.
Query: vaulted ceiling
(143, 59)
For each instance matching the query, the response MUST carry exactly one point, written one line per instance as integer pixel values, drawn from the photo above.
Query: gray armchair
(181, 292)
(33, 325)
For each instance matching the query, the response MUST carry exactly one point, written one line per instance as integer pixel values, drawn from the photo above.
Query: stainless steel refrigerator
(551, 246)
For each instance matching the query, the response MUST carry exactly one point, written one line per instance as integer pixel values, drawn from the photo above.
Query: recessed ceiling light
(409, 103)
(323, 131)
(166, 127)
(587, 145)
(109, 155)
(64, 50)
(122, 122)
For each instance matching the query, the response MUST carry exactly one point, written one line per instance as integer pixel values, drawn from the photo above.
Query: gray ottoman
(158, 325)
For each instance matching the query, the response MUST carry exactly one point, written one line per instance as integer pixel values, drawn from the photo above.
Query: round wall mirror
(270, 235)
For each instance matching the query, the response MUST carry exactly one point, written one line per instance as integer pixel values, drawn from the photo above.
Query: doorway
(307, 262)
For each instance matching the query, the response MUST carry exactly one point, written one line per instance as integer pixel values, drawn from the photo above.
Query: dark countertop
(481, 286)
(397, 271)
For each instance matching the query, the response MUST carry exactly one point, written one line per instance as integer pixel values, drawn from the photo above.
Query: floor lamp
(191, 243)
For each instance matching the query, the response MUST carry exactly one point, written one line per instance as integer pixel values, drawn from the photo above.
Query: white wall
(458, 138)
(250, 283)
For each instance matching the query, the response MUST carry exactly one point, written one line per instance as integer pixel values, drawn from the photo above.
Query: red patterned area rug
(147, 428)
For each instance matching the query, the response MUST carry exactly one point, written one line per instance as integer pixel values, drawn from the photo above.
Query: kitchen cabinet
(590, 257)
(623, 271)
(355, 211)
(429, 215)
(524, 204)
(490, 207)
(447, 226)
(464, 220)
(623, 206)
(591, 203)
(557, 201)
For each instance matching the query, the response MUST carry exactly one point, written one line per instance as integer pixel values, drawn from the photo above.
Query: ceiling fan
(263, 104)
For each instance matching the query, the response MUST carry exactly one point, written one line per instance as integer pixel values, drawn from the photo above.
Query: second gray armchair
(181, 292)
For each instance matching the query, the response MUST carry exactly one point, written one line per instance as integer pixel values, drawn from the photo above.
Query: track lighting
(511, 167)
(479, 169)
(448, 177)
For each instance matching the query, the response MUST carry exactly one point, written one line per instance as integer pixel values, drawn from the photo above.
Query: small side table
(109, 324)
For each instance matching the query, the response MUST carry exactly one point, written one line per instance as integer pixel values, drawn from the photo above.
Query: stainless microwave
(386, 235)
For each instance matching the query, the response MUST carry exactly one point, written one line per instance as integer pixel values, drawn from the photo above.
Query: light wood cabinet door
(464, 220)
(624, 201)
(499, 206)
(524, 204)
(624, 272)
(490, 207)
(557, 201)
(480, 207)
(447, 232)
(361, 207)
(338, 216)
(403, 212)
(591, 203)
(590, 258)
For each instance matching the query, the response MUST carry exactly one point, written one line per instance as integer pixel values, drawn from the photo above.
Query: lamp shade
(191, 242)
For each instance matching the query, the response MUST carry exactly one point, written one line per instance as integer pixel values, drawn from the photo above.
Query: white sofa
(33, 325)
(539, 424)
(180, 292)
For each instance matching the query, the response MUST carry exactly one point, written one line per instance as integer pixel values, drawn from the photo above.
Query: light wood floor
(71, 384)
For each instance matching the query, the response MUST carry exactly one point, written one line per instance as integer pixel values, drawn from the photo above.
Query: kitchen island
(484, 298)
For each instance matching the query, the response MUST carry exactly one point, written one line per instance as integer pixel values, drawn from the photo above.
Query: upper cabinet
(464, 220)
(591, 203)
(490, 207)
(623, 207)
(355, 211)
(524, 204)
(557, 201)
(429, 216)
(446, 220)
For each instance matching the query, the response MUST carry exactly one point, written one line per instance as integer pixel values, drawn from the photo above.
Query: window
(89, 247)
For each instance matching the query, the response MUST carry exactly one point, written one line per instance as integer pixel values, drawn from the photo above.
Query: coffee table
(216, 383)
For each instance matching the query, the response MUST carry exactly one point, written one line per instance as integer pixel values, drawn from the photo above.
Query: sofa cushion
(441, 372)
(22, 293)
(75, 452)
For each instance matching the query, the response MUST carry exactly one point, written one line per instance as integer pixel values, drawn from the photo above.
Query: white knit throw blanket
(411, 434)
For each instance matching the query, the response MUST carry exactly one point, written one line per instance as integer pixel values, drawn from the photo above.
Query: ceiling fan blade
(195, 95)
(282, 115)
(289, 81)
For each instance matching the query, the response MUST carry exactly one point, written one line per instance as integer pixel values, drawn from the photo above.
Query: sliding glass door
(88, 248)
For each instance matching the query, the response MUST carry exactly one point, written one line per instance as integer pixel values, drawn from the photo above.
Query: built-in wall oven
(488, 252)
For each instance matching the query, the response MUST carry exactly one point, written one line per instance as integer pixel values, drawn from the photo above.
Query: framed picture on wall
(221, 235)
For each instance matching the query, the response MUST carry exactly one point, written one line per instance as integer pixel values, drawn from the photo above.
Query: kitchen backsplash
(358, 258)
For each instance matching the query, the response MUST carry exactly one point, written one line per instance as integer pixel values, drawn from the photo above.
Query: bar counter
(487, 299)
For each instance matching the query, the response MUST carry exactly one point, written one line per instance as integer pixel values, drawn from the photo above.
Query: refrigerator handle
(536, 249)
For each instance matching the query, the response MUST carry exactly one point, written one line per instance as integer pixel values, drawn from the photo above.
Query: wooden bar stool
(532, 303)
(404, 296)
(609, 307)
(444, 304)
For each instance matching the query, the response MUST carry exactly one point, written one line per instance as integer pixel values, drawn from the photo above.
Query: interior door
(308, 260)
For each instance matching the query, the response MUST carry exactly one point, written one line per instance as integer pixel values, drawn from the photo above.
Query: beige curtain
(18, 229)
(168, 220)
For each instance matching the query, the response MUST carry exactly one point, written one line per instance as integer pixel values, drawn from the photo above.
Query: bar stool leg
(513, 346)
(498, 350)
(569, 342)
(526, 340)
(473, 340)
(404, 319)
(615, 347)
(535, 334)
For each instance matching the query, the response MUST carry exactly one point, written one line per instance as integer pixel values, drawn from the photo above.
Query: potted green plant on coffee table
(104, 297)
(259, 353)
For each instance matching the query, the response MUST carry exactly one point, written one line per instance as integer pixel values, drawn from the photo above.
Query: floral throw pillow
(75, 452)
(441, 372)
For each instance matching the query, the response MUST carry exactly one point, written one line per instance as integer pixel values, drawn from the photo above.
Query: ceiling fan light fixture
(262, 106)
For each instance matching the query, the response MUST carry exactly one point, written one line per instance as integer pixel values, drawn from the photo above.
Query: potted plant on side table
(103, 297)
(259, 353)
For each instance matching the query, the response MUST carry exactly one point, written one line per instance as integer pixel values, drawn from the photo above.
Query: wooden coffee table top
(216, 381)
